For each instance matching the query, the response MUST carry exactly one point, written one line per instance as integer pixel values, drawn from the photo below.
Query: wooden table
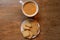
(48, 17)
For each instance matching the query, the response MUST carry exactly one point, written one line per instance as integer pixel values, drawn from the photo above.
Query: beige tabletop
(11, 17)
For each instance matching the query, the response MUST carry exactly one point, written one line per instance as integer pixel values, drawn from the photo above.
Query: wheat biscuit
(27, 25)
(25, 33)
(34, 28)
(30, 35)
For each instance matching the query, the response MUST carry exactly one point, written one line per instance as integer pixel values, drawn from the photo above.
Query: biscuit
(27, 25)
(34, 28)
(30, 35)
(25, 33)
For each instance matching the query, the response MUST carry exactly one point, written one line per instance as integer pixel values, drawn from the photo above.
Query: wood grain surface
(11, 17)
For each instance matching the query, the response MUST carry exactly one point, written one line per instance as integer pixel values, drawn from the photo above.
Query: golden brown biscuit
(34, 28)
(30, 35)
(25, 33)
(27, 25)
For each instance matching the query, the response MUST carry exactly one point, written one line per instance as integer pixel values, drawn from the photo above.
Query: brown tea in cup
(29, 8)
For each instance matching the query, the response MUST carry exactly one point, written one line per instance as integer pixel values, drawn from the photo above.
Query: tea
(29, 8)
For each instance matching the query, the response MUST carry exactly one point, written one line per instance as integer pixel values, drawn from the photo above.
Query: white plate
(23, 29)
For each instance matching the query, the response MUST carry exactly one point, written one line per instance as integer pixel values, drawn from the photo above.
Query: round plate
(23, 29)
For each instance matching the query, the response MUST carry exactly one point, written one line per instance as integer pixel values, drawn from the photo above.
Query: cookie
(25, 33)
(34, 28)
(27, 25)
(30, 35)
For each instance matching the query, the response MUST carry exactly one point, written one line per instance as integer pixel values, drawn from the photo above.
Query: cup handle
(21, 2)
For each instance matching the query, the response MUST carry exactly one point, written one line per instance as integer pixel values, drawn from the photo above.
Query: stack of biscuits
(30, 29)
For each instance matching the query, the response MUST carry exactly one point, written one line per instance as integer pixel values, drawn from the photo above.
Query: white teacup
(23, 10)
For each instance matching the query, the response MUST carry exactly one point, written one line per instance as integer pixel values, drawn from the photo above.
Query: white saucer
(23, 29)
